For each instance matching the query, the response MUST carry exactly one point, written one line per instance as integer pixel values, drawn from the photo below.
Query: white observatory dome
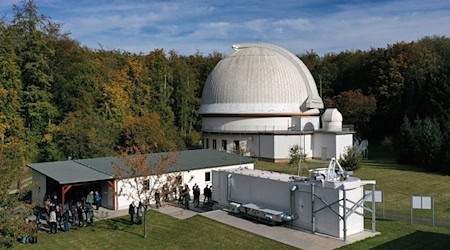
(332, 120)
(260, 78)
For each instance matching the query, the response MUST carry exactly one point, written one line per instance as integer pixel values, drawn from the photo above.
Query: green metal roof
(67, 172)
(86, 170)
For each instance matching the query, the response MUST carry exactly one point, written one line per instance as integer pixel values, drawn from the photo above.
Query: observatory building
(261, 100)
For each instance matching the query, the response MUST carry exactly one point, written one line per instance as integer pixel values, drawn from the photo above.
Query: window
(214, 144)
(207, 176)
(237, 145)
(207, 143)
(146, 185)
(224, 145)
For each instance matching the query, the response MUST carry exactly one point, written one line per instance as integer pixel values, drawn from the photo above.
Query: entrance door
(324, 153)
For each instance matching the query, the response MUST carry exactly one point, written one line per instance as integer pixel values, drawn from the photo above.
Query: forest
(59, 99)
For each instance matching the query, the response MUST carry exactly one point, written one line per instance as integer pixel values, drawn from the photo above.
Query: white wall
(39, 182)
(188, 177)
(342, 143)
(275, 195)
(246, 123)
(283, 143)
(322, 141)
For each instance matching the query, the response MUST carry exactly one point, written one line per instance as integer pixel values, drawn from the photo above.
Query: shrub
(351, 160)
(295, 155)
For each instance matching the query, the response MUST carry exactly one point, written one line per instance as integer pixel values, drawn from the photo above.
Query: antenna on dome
(235, 47)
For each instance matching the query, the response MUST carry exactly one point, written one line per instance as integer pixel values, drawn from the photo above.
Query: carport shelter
(73, 179)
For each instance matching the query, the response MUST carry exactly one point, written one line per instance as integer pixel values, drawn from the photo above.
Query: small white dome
(260, 78)
(332, 115)
(332, 120)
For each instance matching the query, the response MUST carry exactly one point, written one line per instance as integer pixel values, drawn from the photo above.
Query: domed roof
(332, 115)
(260, 78)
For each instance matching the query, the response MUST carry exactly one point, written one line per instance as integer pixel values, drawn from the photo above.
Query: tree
(186, 102)
(12, 211)
(351, 160)
(87, 135)
(34, 55)
(356, 107)
(161, 85)
(148, 134)
(144, 174)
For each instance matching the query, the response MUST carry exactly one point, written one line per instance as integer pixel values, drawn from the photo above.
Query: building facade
(262, 100)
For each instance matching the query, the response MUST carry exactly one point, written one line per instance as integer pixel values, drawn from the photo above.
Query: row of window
(224, 144)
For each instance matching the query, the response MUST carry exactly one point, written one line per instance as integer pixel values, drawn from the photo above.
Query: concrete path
(174, 211)
(292, 237)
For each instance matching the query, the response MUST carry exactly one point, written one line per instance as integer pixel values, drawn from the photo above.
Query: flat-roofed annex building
(73, 179)
(261, 100)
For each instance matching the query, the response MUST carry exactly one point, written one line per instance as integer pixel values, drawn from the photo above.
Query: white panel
(426, 202)
(378, 195)
(417, 202)
(283, 143)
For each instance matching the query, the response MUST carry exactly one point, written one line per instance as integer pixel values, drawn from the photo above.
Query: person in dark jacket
(131, 212)
(157, 199)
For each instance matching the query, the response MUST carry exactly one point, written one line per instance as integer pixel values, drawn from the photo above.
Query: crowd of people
(185, 197)
(81, 213)
(73, 213)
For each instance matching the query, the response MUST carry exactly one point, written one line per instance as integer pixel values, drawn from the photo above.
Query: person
(80, 214)
(66, 221)
(187, 196)
(59, 216)
(90, 198)
(206, 191)
(89, 211)
(54, 200)
(139, 213)
(73, 212)
(37, 213)
(131, 212)
(157, 199)
(52, 220)
(98, 199)
(210, 193)
(196, 192)
(165, 192)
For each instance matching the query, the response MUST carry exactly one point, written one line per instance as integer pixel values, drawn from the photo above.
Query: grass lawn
(399, 182)
(165, 232)
(401, 235)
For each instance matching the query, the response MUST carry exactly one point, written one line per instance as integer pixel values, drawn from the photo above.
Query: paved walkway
(292, 237)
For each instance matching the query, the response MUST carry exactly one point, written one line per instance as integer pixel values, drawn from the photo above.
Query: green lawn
(401, 235)
(165, 233)
(399, 182)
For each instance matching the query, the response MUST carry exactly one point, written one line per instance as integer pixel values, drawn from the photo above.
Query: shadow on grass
(418, 240)
(118, 224)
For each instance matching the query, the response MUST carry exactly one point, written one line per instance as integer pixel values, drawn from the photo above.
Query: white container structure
(329, 201)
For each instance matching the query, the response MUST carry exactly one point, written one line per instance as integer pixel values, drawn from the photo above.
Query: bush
(351, 160)
(295, 155)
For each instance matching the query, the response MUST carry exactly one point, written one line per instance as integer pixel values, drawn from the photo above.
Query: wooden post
(65, 189)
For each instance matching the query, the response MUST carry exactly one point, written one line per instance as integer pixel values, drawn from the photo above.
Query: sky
(207, 26)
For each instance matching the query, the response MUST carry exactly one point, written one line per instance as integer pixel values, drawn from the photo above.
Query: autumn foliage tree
(356, 107)
(143, 174)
